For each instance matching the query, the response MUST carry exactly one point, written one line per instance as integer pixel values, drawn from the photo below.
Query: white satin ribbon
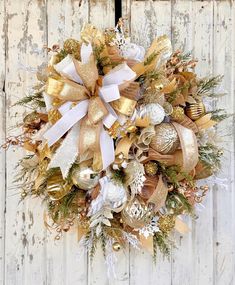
(67, 69)
(65, 123)
(70, 116)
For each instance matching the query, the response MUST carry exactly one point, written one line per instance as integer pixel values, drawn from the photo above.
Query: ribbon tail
(64, 124)
(106, 148)
(158, 197)
(67, 153)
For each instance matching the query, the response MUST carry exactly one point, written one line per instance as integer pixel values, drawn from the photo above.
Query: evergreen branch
(207, 84)
(219, 115)
(210, 155)
(161, 242)
(184, 57)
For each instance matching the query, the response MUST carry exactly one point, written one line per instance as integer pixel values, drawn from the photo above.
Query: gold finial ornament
(195, 110)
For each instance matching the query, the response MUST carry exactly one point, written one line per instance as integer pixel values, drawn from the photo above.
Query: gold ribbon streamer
(147, 243)
(124, 145)
(180, 226)
(188, 142)
(158, 197)
(168, 159)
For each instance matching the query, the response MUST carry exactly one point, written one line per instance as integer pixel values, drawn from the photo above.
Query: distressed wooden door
(28, 253)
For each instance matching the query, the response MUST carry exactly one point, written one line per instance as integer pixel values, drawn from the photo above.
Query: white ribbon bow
(68, 151)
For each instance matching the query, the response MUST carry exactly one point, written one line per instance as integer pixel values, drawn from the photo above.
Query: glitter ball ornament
(136, 213)
(72, 46)
(116, 246)
(166, 139)
(195, 110)
(166, 223)
(115, 194)
(151, 168)
(177, 113)
(154, 111)
(84, 177)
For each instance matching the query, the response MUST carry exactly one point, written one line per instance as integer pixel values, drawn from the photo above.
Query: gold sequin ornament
(151, 168)
(166, 223)
(57, 188)
(177, 113)
(195, 110)
(136, 213)
(166, 139)
(84, 177)
(116, 246)
(72, 46)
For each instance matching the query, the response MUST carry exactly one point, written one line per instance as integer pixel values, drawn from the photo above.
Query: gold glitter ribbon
(124, 105)
(188, 142)
(66, 90)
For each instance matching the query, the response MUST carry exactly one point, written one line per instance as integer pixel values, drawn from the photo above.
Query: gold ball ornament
(151, 168)
(136, 213)
(57, 188)
(177, 113)
(166, 223)
(84, 177)
(195, 110)
(72, 46)
(166, 139)
(116, 246)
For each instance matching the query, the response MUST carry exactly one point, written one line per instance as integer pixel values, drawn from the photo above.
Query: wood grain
(28, 252)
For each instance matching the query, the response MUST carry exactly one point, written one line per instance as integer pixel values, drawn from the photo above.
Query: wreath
(118, 138)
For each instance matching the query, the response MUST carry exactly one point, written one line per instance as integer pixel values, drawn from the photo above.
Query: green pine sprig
(206, 85)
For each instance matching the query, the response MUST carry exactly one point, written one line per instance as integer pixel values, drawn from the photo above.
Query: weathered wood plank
(202, 272)
(149, 21)
(183, 38)
(223, 196)
(2, 137)
(101, 13)
(24, 238)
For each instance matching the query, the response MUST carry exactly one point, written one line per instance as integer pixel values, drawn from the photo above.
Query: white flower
(133, 51)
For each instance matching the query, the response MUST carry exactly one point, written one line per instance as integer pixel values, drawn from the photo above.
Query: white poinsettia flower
(133, 51)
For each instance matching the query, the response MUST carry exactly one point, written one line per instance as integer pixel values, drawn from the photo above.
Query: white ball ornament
(154, 111)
